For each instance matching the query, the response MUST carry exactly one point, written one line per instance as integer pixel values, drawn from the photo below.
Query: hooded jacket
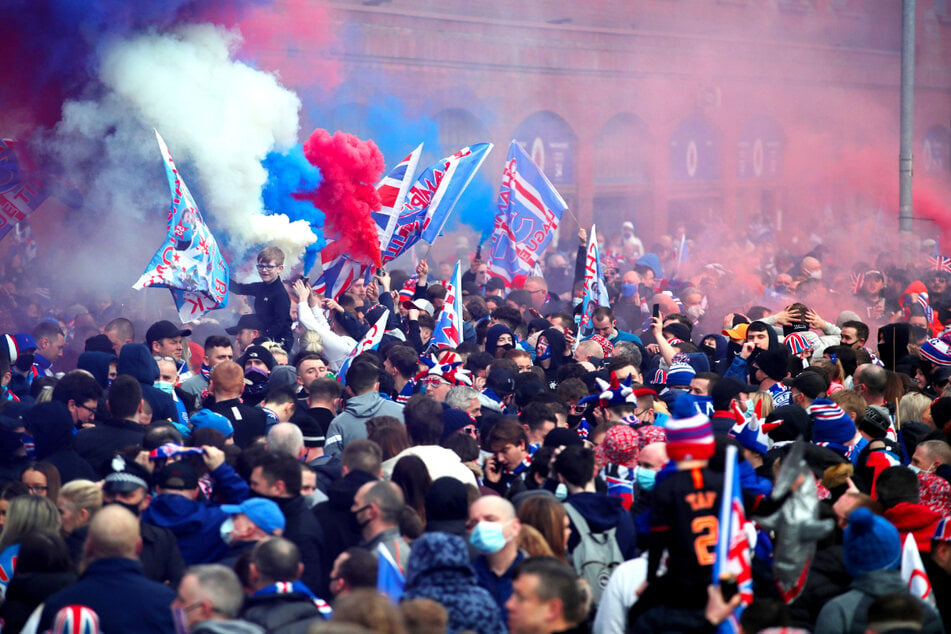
(916, 519)
(492, 337)
(136, 361)
(196, 524)
(336, 519)
(97, 364)
(350, 425)
(439, 569)
(847, 612)
(51, 426)
(556, 345)
(603, 513)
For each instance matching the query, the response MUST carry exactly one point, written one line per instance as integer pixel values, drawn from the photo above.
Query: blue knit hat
(830, 423)
(680, 374)
(871, 543)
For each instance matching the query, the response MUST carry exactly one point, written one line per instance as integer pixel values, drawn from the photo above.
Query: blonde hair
(82, 494)
(275, 349)
(766, 400)
(311, 341)
(912, 406)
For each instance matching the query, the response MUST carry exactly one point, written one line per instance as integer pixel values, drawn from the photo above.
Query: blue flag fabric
(529, 211)
(448, 332)
(733, 557)
(431, 198)
(389, 578)
(595, 289)
(188, 264)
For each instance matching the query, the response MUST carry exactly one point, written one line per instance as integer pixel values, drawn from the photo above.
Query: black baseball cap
(809, 383)
(178, 476)
(246, 322)
(164, 330)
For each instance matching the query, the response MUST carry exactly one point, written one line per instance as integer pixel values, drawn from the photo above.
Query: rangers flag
(428, 203)
(189, 263)
(595, 290)
(530, 209)
(448, 332)
(370, 341)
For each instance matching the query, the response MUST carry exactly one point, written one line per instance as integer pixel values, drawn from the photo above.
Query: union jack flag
(429, 201)
(733, 548)
(448, 332)
(370, 341)
(857, 280)
(530, 209)
(940, 263)
(339, 271)
(392, 190)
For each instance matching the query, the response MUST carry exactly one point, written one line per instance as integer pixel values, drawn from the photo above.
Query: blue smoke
(289, 173)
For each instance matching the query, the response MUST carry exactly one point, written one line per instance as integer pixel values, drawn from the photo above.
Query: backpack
(596, 555)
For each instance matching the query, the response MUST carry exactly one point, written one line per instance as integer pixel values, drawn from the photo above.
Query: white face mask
(226, 530)
(816, 275)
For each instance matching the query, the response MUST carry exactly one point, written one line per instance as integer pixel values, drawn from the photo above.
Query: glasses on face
(435, 381)
(91, 410)
(267, 267)
(37, 489)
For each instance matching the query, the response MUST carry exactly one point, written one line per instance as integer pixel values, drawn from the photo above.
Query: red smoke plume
(350, 169)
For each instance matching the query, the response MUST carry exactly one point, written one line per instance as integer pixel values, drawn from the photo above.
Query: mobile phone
(655, 310)
(478, 254)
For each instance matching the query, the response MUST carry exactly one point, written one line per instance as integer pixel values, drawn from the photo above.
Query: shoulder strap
(577, 518)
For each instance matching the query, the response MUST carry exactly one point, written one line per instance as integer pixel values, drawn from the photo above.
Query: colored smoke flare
(350, 169)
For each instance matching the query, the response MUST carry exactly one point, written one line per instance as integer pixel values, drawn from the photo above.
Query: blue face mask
(165, 386)
(561, 491)
(646, 478)
(628, 290)
(487, 537)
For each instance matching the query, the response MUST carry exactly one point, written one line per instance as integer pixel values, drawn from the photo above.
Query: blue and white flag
(389, 577)
(595, 289)
(428, 203)
(189, 263)
(733, 558)
(392, 190)
(530, 209)
(370, 341)
(448, 332)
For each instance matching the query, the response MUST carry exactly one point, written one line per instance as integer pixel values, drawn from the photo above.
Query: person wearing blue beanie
(871, 550)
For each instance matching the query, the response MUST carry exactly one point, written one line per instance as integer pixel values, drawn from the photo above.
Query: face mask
(646, 478)
(310, 500)
(561, 491)
(628, 290)
(574, 420)
(918, 470)
(505, 346)
(165, 386)
(487, 537)
(815, 275)
(356, 517)
(576, 301)
(694, 312)
(225, 530)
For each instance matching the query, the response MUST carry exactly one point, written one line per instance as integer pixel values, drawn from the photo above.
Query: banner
(21, 192)
(530, 209)
(913, 571)
(369, 342)
(428, 203)
(595, 290)
(188, 264)
(733, 548)
(448, 331)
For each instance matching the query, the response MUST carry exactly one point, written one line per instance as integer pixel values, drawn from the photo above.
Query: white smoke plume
(219, 117)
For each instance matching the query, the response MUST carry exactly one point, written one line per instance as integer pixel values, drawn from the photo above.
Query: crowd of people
(556, 471)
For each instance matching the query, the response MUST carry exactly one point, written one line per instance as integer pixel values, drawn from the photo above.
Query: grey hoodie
(847, 612)
(227, 627)
(350, 424)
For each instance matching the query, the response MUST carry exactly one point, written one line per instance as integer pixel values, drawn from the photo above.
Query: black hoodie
(556, 344)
